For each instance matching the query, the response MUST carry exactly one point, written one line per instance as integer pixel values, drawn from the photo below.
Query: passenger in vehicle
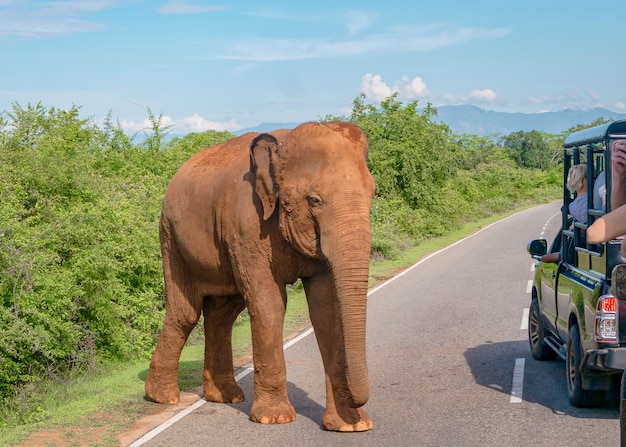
(553, 257)
(577, 182)
(613, 224)
(599, 192)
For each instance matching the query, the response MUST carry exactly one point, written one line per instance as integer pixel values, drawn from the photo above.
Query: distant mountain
(474, 120)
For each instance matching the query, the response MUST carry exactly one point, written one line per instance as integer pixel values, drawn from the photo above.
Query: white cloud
(186, 7)
(358, 21)
(619, 105)
(35, 20)
(567, 99)
(397, 40)
(196, 123)
(76, 7)
(594, 95)
(374, 87)
(408, 89)
(414, 89)
(188, 124)
(486, 95)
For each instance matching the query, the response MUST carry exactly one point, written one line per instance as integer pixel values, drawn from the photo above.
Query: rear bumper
(605, 359)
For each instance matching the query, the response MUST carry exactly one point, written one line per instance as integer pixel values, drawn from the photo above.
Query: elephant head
(314, 180)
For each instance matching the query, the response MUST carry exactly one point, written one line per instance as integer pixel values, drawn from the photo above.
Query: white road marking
(517, 387)
(532, 267)
(524, 324)
(529, 286)
(243, 374)
(164, 426)
(295, 340)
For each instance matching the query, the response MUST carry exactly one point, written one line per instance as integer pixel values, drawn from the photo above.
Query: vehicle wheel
(536, 332)
(578, 396)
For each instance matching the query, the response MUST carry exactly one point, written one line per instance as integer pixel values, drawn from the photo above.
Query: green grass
(107, 401)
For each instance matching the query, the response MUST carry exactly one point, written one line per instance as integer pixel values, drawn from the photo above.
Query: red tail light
(606, 328)
(608, 304)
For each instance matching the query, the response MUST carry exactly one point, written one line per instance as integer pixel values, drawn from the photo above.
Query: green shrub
(80, 269)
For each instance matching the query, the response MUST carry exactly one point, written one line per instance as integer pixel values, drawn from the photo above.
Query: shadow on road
(492, 366)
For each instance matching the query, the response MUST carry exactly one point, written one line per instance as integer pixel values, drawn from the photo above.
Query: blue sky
(235, 64)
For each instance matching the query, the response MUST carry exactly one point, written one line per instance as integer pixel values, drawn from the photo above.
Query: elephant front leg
(271, 404)
(218, 378)
(341, 412)
(339, 416)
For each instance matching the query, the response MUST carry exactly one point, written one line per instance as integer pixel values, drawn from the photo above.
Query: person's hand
(618, 159)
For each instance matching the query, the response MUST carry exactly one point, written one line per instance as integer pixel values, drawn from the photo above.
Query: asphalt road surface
(448, 358)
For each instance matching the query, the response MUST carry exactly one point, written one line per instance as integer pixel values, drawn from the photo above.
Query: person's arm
(551, 257)
(618, 174)
(608, 226)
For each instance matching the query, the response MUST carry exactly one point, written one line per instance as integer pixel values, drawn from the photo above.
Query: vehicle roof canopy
(596, 134)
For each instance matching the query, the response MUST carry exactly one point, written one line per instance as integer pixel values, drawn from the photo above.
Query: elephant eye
(314, 200)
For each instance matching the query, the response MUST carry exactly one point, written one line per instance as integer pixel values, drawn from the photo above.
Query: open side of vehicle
(574, 314)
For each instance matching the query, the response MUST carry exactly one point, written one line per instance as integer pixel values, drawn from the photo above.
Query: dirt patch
(158, 415)
(162, 413)
(79, 437)
(100, 429)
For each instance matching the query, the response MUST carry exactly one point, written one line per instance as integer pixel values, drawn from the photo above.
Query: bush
(79, 249)
(430, 181)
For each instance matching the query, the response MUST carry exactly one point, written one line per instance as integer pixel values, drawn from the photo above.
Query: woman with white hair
(577, 182)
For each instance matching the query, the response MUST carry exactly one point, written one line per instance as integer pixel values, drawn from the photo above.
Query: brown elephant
(240, 221)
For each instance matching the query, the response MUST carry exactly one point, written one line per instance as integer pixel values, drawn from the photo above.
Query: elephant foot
(162, 394)
(281, 413)
(354, 419)
(161, 391)
(227, 393)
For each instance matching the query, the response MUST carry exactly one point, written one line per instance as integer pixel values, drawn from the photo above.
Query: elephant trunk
(349, 263)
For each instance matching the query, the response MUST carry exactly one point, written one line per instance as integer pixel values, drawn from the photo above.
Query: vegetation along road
(449, 362)
(81, 285)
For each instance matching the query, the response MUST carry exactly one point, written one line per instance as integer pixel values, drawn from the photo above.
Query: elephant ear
(262, 149)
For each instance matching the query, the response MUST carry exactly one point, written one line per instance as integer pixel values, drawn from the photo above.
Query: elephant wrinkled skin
(240, 221)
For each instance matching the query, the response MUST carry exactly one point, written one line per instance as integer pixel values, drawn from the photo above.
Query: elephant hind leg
(218, 378)
(182, 312)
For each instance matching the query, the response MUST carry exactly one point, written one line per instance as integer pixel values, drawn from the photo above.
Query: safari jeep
(578, 307)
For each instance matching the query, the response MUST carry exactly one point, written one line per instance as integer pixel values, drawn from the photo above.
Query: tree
(528, 149)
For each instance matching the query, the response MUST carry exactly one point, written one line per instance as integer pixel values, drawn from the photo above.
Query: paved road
(449, 363)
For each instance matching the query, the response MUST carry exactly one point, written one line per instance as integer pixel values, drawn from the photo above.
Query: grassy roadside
(92, 410)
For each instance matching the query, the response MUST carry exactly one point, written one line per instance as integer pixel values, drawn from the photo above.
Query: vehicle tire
(578, 396)
(536, 332)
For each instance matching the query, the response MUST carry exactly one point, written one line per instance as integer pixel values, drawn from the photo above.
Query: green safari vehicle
(578, 299)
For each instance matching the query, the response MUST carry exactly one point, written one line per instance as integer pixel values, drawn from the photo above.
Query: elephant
(239, 222)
